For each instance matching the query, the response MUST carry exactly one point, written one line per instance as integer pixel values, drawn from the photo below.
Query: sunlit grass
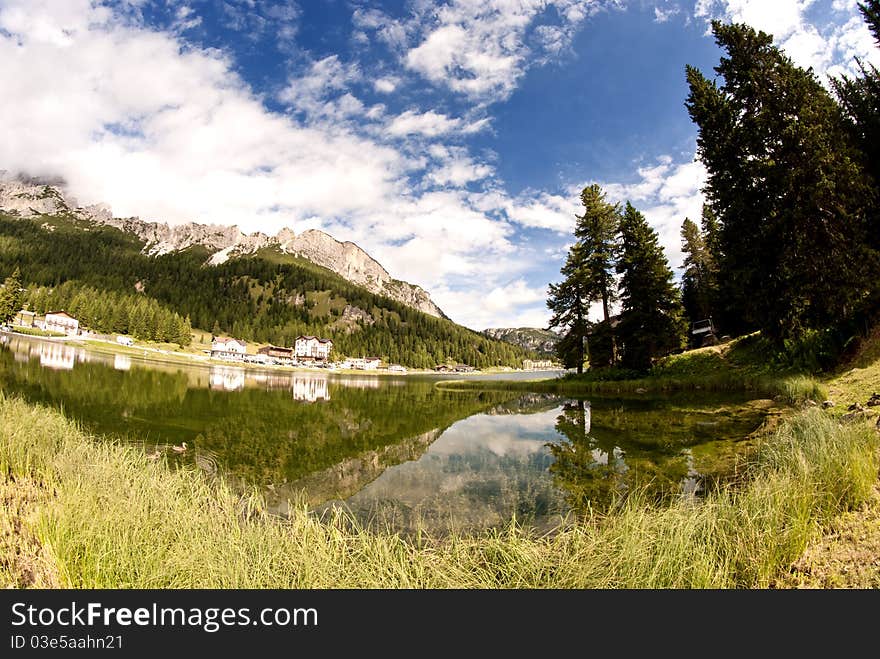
(111, 518)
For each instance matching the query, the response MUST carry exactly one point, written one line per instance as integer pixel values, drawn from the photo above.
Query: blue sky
(449, 139)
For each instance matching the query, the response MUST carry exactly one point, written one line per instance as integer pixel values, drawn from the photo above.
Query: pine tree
(568, 302)
(596, 230)
(588, 276)
(860, 100)
(787, 186)
(651, 319)
(11, 297)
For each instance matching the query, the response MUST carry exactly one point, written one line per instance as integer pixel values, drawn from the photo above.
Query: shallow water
(395, 450)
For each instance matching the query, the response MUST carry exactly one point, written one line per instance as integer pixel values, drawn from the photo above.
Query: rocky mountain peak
(27, 198)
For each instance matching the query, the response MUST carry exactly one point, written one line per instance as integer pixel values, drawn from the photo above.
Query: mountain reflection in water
(394, 450)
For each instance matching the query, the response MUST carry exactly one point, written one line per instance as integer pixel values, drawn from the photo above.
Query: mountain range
(542, 341)
(152, 280)
(29, 199)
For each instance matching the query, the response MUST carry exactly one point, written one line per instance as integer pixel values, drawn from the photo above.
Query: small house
(537, 364)
(124, 340)
(62, 322)
(365, 363)
(25, 318)
(231, 349)
(278, 354)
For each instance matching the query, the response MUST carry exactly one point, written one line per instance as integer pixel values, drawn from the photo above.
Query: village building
(231, 349)
(278, 354)
(312, 349)
(536, 364)
(365, 363)
(25, 318)
(62, 322)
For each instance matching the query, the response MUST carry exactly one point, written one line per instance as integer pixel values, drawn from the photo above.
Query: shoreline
(154, 354)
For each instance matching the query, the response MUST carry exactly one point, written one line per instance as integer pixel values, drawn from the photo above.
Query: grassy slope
(735, 366)
(848, 554)
(82, 513)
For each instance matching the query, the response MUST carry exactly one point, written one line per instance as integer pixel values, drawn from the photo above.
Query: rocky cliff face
(532, 338)
(29, 199)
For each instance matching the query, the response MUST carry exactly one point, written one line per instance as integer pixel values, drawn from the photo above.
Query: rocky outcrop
(354, 264)
(28, 199)
(531, 338)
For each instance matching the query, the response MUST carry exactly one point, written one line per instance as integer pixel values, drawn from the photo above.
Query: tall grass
(114, 519)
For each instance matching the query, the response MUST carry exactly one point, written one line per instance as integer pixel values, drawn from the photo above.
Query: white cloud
(386, 85)
(481, 48)
(829, 46)
(544, 211)
(665, 193)
(321, 91)
(428, 123)
(663, 15)
(511, 304)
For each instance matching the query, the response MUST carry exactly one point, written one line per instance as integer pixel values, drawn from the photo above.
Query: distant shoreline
(177, 357)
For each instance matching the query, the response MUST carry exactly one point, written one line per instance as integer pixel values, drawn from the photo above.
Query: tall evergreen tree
(860, 99)
(569, 304)
(651, 319)
(787, 186)
(11, 297)
(588, 277)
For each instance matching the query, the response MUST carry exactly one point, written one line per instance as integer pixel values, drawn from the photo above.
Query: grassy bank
(86, 513)
(742, 365)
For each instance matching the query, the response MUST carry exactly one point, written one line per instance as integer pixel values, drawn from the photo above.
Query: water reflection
(395, 450)
(227, 378)
(57, 356)
(310, 389)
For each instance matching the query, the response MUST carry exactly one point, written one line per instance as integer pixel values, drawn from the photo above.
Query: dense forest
(789, 239)
(270, 297)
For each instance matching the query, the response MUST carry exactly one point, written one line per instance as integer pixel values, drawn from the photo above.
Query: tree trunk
(610, 329)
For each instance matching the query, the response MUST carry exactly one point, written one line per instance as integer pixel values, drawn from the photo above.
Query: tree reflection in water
(599, 465)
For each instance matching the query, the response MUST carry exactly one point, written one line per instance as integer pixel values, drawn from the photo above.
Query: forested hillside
(270, 297)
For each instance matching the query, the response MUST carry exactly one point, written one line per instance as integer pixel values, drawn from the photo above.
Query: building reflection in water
(310, 389)
(227, 378)
(121, 362)
(57, 356)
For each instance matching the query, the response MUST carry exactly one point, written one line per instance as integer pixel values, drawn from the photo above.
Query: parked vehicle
(703, 333)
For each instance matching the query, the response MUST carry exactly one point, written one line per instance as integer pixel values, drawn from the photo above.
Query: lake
(394, 450)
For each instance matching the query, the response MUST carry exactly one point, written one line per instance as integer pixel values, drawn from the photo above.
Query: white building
(365, 363)
(124, 340)
(231, 349)
(61, 321)
(311, 348)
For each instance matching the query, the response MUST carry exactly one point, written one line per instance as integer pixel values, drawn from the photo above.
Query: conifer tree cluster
(616, 256)
(113, 313)
(792, 246)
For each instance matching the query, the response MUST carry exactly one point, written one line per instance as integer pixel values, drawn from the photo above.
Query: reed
(105, 516)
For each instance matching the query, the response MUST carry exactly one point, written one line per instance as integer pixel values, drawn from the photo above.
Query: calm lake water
(397, 451)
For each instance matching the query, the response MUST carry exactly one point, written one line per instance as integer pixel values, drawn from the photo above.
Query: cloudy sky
(448, 139)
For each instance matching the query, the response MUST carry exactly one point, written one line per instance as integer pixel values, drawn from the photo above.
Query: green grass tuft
(114, 519)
